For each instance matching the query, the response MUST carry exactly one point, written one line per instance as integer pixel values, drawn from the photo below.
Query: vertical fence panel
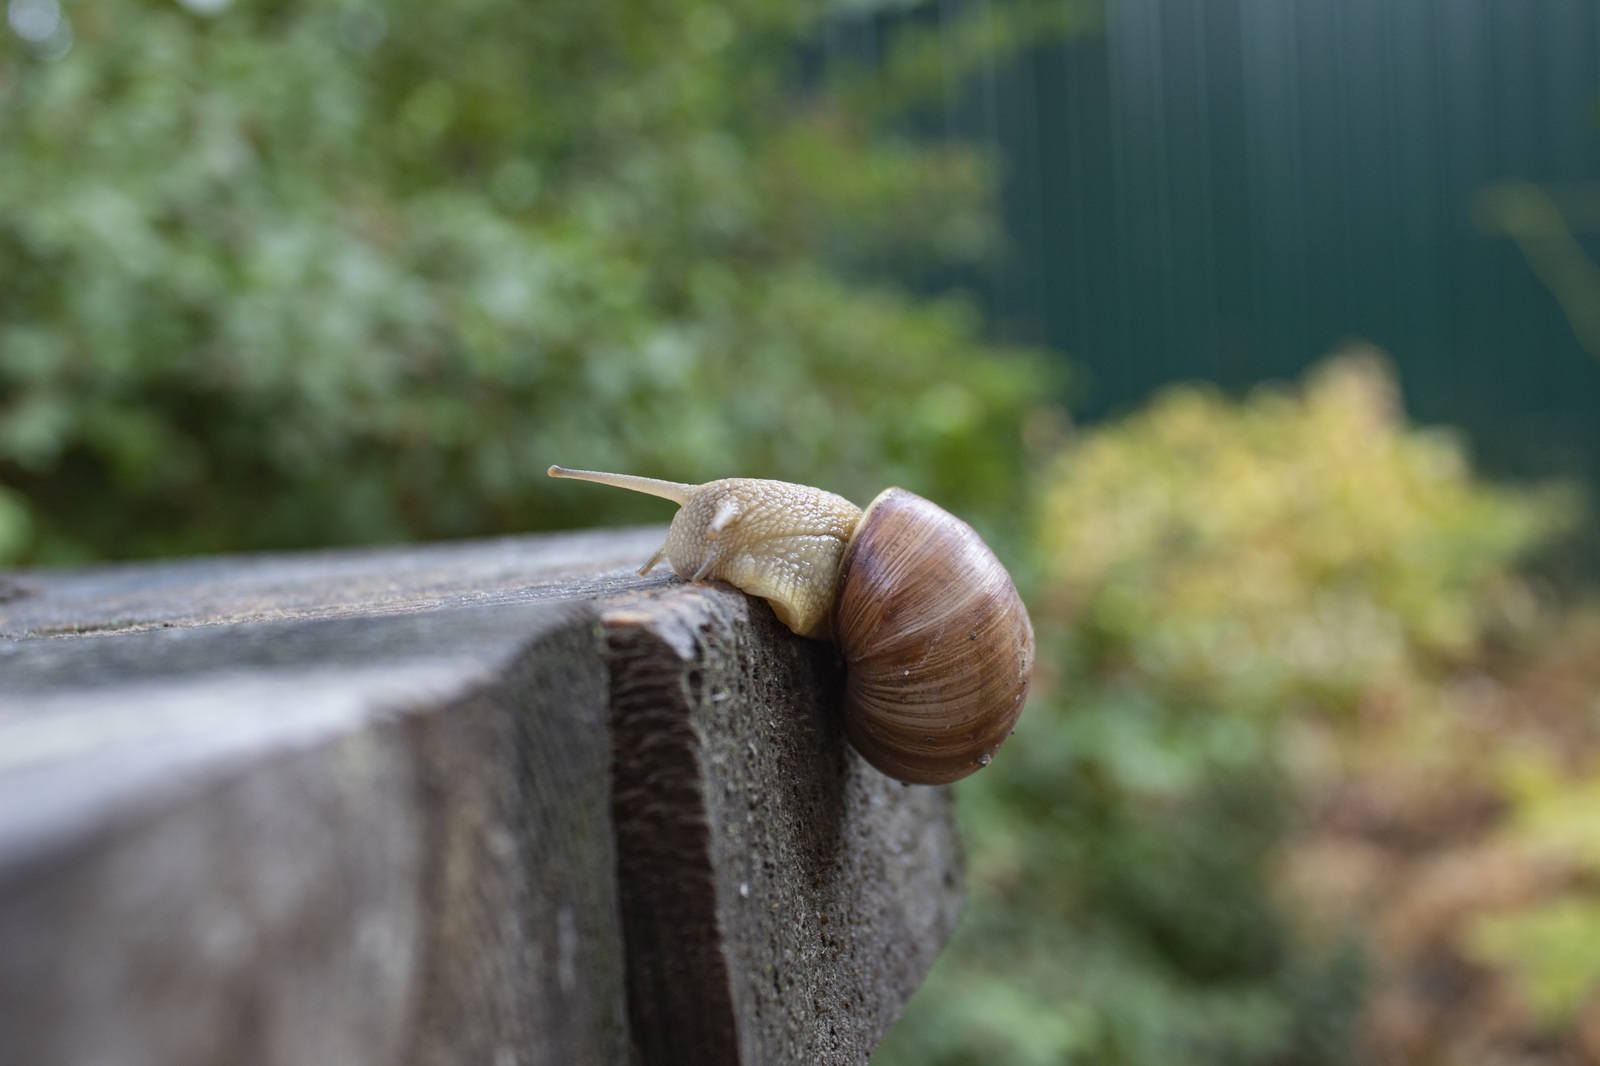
(1223, 189)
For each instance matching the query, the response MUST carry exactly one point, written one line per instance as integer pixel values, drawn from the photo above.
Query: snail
(937, 644)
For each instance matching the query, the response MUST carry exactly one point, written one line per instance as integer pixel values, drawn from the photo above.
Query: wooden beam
(493, 802)
(781, 899)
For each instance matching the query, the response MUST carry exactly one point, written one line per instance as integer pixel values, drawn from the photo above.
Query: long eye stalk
(676, 491)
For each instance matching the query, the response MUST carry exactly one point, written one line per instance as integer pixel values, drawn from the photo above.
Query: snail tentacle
(655, 561)
(676, 491)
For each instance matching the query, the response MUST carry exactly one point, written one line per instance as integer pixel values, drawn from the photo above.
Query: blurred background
(1261, 337)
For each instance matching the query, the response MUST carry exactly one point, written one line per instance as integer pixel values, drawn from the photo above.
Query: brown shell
(937, 642)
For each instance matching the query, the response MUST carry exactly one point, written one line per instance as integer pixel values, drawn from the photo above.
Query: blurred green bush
(1545, 942)
(1212, 571)
(1296, 549)
(295, 272)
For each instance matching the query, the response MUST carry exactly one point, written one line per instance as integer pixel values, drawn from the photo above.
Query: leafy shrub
(1292, 549)
(1546, 943)
(1210, 571)
(306, 272)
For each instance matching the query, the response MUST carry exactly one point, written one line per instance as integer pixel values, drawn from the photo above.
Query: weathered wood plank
(781, 899)
(524, 957)
(360, 807)
(380, 840)
(210, 590)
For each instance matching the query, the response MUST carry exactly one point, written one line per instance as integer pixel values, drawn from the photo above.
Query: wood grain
(781, 899)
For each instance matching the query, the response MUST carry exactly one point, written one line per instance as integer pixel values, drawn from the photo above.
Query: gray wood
(372, 838)
(359, 807)
(781, 899)
(209, 590)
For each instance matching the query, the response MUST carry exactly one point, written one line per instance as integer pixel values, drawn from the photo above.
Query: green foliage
(1210, 569)
(919, 69)
(1549, 950)
(291, 272)
(1290, 549)
(1546, 944)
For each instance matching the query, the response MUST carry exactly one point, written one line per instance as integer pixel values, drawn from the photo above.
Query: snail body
(937, 644)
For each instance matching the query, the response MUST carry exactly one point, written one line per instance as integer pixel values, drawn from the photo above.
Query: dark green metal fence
(1227, 189)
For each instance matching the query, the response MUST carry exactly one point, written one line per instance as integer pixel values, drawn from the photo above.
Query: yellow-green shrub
(1287, 548)
(1204, 567)
(1547, 945)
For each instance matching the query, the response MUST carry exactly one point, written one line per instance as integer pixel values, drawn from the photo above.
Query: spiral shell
(937, 644)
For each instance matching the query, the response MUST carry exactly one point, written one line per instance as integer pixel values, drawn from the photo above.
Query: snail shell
(937, 644)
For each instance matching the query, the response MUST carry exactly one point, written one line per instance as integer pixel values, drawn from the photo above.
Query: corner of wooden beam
(780, 898)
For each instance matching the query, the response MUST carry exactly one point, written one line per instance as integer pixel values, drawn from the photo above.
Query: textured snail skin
(772, 539)
(937, 644)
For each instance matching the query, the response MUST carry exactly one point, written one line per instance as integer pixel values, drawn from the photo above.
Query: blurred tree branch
(1544, 221)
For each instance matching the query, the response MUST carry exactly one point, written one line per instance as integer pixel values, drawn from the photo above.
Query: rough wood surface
(358, 807)
(781, 899)
(213, 590)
